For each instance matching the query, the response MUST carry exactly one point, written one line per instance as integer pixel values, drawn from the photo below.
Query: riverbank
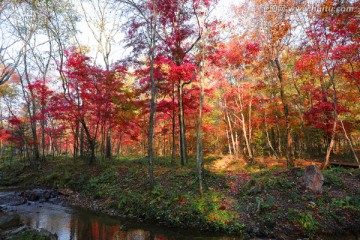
(248, 202)
(12, 228)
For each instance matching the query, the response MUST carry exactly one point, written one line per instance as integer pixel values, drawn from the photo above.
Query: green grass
(234, 202)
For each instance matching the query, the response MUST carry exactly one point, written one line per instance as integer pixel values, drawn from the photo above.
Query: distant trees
(299, 73)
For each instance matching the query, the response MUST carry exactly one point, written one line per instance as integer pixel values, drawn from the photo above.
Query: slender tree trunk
(246, 134)
(119, 146)
(102, 141)
(173, 128)
(108, 144)
(237, 144)
(31, 108)
(76, 139)
(268, 138)
(164, 144)
(247, 142)
(92, 151)
(229, 143)
(350, 142)
(335, 115)
(199, 142)
(81, 142)
(43, 136)
(232, 136)
(182, 126)
(278, 136)
(36, 154)
(151, 126)
(51, 147)
(289, 159)
(330, 147)
(91, 142)
(304, 149)
(250, 130)
(152, 102)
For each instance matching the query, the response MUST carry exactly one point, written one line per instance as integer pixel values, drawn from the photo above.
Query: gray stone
(11, 199)
(47, 195)
(25, 232)
(313, 179)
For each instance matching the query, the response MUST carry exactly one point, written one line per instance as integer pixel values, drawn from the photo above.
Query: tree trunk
(229, 143)
(119, 147)
(43, 137)
(232, 135)
(268, 138)
(151, 126)
(91, 142)
(335, 114)
(31, 108)
(247, 142)
(278, 137)
(182, 126)
(173, 128)
(152, 103)
(81, 142)
(289, 159)
(199, 141)
(76, 140)
(330, 147)
(108, 144)
(350, 142)
(92, 151)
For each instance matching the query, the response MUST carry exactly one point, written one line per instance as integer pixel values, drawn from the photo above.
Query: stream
(79, 224)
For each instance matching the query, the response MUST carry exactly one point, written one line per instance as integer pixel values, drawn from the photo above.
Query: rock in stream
(11, 226)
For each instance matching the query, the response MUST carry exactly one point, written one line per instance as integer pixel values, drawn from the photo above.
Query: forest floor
(240, 199)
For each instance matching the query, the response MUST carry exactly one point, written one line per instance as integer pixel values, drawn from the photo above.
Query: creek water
(78, 224)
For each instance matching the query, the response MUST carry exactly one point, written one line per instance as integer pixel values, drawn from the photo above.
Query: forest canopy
(97, 79)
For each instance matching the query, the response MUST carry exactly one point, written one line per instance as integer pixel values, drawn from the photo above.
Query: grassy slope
(266, 202)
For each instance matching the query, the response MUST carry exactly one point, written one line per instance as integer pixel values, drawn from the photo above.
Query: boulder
(47, 195)
(313, 179)
(54, 194)
(11, 199)
(30, 195)
(21, 201)
(33, 197)
(37, 195)
(25, 232)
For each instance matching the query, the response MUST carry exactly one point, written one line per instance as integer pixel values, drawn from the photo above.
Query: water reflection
(75, 224)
